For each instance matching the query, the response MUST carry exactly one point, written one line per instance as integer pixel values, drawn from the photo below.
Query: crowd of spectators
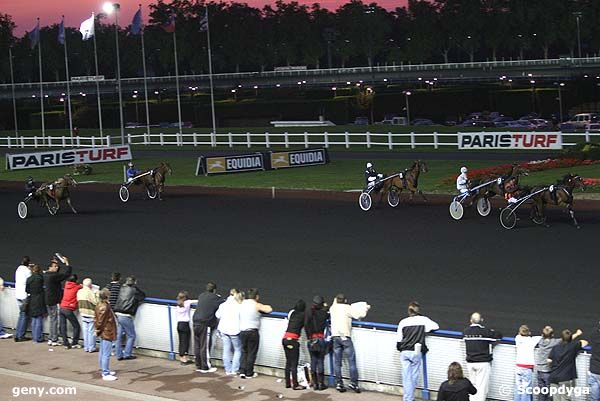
(108, 315)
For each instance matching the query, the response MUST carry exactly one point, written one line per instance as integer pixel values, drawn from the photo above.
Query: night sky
(25, 12)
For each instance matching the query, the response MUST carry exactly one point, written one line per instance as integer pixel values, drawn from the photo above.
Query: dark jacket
(457, 391)
(37, 299)
(129, 299)
(315, 322)
(105, 322)
(595, 344)
(208, 303)
(114, 287)
(53, 282)
(479, 341)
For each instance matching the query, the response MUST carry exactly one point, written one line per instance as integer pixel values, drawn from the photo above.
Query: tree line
(245, 38)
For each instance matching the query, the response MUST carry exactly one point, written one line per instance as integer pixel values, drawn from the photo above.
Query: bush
(582, 151)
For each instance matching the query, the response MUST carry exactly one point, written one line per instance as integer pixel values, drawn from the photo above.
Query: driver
(30, 186)
(371, 176)
(131, 172)
(462, 181)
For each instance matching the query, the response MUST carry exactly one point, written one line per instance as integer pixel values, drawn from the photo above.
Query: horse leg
(422, 195)
(572, 214)
(71, 205)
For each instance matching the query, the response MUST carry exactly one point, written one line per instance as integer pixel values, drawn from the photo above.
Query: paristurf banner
(510, 140)
(54, 158)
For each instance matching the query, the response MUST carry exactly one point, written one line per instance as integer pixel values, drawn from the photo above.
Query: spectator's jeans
(594, 383)
(125, 326)
(2, 332)
(36, 329)
(479, 375)
(291, 348)
(67, 314)
(543, 382)
(562, 395)
(23, 321)
(250, 340)
(344, 346)
(89, 337)
(232, 353)
(411, 364)
(104, 356)
(53, 322)
(523, 382)
(317, 359)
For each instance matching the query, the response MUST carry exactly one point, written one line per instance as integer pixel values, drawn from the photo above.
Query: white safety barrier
(378, 361)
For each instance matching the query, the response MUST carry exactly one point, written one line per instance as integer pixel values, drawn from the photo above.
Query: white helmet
(463, 170)
(130, 164)
(369, 165)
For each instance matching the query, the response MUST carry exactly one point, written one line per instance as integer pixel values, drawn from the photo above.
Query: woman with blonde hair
(182, 311)
(456, 388)
(525, 344)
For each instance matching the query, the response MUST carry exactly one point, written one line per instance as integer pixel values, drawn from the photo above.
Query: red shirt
(69, 299)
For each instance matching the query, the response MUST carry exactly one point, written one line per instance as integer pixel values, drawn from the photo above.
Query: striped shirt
(114, 287)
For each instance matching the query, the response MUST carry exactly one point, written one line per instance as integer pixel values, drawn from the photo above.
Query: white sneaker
(6, 335)
(209, 370)
(110, 377)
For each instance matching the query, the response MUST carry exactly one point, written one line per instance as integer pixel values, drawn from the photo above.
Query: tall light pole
(109, 8)
(560, 103)
(578, 15)
(406, 95)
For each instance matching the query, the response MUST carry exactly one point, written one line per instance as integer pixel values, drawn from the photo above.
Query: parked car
(593, 127)
(422, 121)
(541, 124)
(567, 127)
(361, 121)
(394, 121)
(502, 119)
(580, 121)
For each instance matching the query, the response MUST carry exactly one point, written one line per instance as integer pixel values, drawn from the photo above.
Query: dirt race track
(298, 245)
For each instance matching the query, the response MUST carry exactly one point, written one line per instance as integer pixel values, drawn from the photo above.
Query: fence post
(64, 142)
(162, 139)
(146, 138)
(171, 344)
(195, 136)
(267, 144)
(230, 139)
(35, 142)
(347, 139)
(23, 142)
(390, 144)
(368, 140)
(286, 139)
(435, 140)
(305, 139)
(412, 139)
(8, 139)
(248, 139)
(326, 140)
(78, 142)
(129, 139)
(49, 141)
(93, 142)
(425, 392)
(107, 140)
(587, 136)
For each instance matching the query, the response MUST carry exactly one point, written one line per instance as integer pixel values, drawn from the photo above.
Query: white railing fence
(389, 140)
(378, 361)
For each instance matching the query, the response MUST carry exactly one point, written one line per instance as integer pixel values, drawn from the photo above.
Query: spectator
(541, 361)
(68, 306)
(205, 323)
(105, 322)
(22, 273)
(53, 278)
(314, 326)
(341, 330)
(411, 344)
(3, 334)
(182, 311)
(229, 329)
(130, 297)
(87, 299)
(525, 344)
(456, 388)
(562, 358)
(250, 312)
(478, 343)
(291, 344)
(36, 308)
(594, 378)
(114, 287)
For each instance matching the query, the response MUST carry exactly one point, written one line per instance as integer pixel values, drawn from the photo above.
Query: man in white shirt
(462, 181)
(21, 275)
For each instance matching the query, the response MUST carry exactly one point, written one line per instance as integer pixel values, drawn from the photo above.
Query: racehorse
(560, 194)
(499, 185)
(56, 191)
(410, 181)
(157, 178)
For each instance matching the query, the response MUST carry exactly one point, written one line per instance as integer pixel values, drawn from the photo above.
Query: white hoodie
(229, 317)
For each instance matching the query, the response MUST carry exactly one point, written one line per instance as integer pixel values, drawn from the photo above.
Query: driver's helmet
(29, 180)
(130, 164)
(463, 170)
(370, 167)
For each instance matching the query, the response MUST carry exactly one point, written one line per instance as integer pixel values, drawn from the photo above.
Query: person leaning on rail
(205, 324)
(542, 367)
(314, 326)
(563, 361)
(291, 344)
(22, 273)
(525, 344)
(128, 302)
(250, 314)
(479, 341)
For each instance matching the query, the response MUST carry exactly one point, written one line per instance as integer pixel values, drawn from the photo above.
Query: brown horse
(561, 195)
(55, 192)
(409, 182)
(157, 178)
(500, 185)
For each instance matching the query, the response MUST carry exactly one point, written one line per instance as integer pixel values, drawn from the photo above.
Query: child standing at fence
(182, 311)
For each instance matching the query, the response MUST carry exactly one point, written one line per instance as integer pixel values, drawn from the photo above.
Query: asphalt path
(295, 248)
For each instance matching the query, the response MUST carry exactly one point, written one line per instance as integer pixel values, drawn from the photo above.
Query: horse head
(69, 181)
(166, 168)
(518, 171)
(422, 166)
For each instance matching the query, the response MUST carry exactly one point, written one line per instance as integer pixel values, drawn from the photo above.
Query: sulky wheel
(364, 201)
(151, 191)
(456, 210)
(393, 198)
(508, 218)
(484, 207)
(124, 193)
(22, 210)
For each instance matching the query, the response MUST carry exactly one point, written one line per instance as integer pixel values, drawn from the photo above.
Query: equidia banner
(509, 140)
(300, 158)
(230, 164)
(54, 158)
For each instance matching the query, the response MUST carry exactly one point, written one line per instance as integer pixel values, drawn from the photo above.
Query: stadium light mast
(110, 8)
